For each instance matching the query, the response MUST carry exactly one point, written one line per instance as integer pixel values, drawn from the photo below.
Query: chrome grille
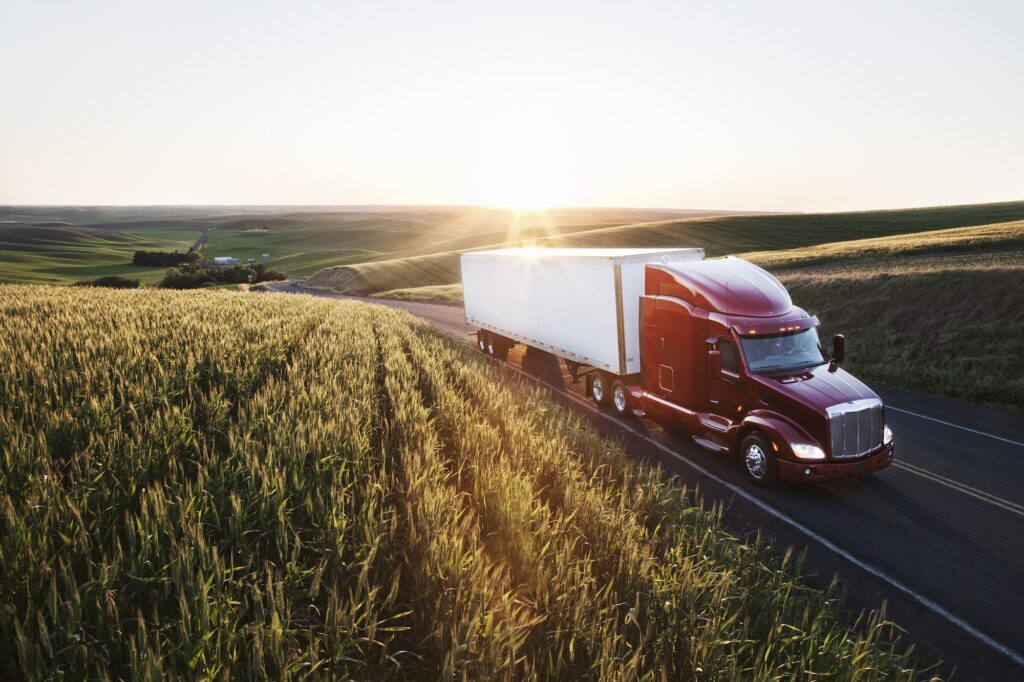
(856, 427)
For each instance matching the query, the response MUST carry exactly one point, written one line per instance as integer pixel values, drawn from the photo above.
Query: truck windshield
(783, 352)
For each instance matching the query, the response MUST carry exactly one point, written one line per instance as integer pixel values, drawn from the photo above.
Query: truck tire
(620, 399)
(599, 388)
(758, 460)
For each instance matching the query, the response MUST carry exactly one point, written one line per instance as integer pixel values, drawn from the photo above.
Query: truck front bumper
(829, 471)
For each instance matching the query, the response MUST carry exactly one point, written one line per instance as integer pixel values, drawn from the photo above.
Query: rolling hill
(62, 244)
(940, 311)
(718, 236)
(59, 253)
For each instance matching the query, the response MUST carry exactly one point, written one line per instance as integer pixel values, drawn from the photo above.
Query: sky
(733, 105)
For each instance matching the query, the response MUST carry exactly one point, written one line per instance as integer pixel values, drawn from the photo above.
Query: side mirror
(715, 364)
(838, 348)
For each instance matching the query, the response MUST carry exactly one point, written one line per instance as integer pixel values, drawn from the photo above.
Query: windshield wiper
(771, 367)
(790, 368)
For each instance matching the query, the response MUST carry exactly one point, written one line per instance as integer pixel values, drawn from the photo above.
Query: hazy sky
(733, 105)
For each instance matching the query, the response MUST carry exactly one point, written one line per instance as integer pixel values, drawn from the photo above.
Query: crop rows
(225, 485)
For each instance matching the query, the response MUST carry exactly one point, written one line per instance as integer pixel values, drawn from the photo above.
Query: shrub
(111, 282)
(178, 279)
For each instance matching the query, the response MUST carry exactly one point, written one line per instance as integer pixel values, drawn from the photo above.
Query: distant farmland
(214, 484)
(62, 244)
(718, 236)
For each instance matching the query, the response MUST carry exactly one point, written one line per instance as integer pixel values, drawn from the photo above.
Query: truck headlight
(805, 451)
(887, 435)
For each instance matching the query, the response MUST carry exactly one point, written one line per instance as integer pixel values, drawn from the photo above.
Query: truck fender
(779, 430)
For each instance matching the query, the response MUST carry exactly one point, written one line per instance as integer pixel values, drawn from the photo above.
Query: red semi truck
(714, 349)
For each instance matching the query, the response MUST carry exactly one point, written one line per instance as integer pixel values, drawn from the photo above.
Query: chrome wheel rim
(490, 347)
(597, 389)
(619, 396)
(756, 461)
(482, 342)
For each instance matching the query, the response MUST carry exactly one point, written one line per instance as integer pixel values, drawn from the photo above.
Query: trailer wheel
(620, 399)
(758, 460)
(600, 388)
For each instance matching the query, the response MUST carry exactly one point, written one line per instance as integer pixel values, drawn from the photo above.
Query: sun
(520, 162)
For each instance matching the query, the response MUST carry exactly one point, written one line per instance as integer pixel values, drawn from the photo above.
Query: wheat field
(223, 485)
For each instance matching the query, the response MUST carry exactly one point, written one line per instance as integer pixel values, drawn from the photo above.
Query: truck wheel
(620, 399)
(481, 340)
(600, 389)
(758, 460)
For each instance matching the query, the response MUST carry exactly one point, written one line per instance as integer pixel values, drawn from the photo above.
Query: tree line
(165, 258)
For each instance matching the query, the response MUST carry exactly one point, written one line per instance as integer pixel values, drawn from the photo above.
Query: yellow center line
(961, 487)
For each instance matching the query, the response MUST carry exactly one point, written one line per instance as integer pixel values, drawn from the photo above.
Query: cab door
(668, 349)
(725, 395)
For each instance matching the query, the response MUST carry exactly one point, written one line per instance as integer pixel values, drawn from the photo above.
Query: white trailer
(579, 304)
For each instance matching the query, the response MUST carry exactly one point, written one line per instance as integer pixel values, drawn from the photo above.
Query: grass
(61, 255)
(718, 236)
(955, 333)
(215, 485)
(443, 293)
(300, 240)
(941, 312)
(998, 243)
(366, 250)
(440, 269)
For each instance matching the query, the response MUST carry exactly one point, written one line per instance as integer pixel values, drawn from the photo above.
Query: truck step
(710, 445)
(716, 423)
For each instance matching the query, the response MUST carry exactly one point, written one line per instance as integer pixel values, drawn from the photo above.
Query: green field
(64, 244)
(225, 485)
(718, 236)
(64, 254)
(442, 293)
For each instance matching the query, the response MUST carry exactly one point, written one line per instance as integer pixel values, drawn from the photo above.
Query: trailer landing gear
(574, 370)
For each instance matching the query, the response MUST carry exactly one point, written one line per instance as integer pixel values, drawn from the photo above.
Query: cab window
(730, 362)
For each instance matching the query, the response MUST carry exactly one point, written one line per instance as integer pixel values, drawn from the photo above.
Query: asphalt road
(939, 535)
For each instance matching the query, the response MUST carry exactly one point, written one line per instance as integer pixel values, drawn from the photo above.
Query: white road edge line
(955, 426)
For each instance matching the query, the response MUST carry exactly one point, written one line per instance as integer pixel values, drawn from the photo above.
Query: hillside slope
(941, 312)
(213, 484)
(718, 236)
(58, 253)
(299, 239)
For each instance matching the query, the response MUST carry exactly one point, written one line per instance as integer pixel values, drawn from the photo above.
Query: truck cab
(726, 356)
